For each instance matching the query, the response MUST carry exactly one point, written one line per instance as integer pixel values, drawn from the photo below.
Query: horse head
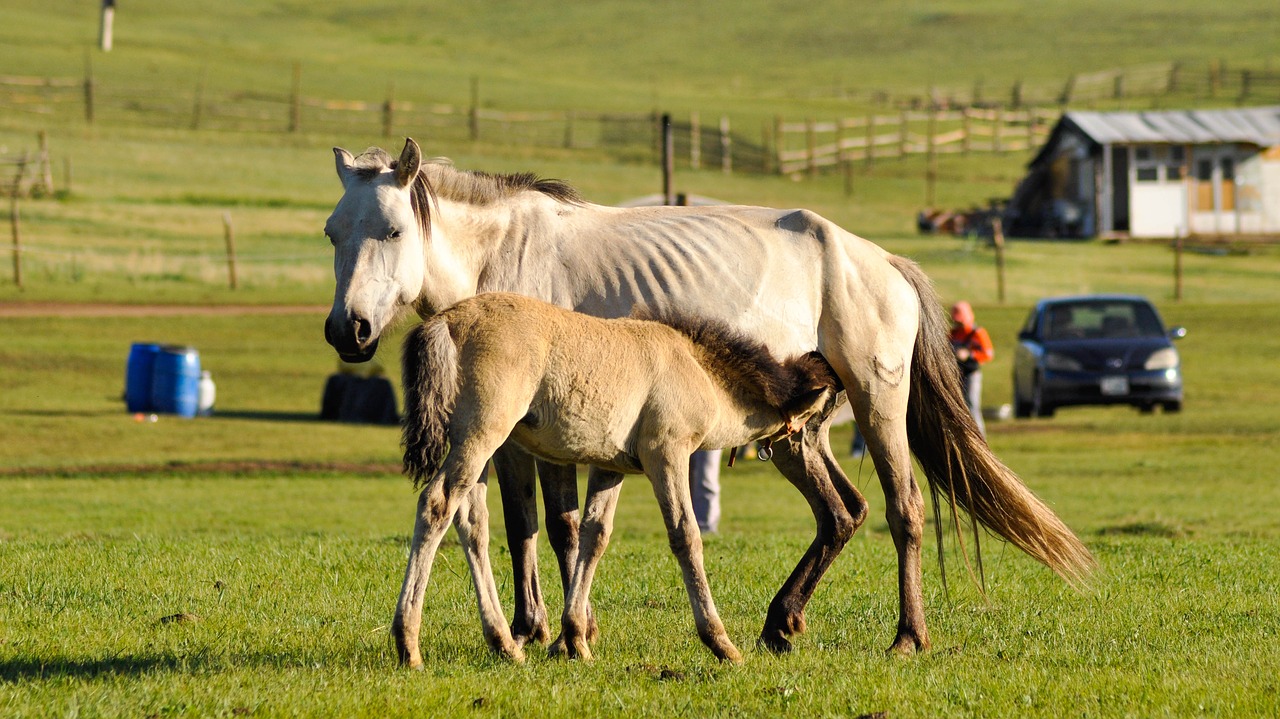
(378, 231)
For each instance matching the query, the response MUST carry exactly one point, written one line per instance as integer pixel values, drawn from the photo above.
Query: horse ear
(409, 164)
(802, 406)
(345, 164)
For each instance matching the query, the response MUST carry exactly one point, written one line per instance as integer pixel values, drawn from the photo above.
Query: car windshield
(1101, 319)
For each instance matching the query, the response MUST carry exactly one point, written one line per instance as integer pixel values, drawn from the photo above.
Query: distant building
(1153, 174)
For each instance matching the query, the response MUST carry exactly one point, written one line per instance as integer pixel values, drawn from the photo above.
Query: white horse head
(378, 231)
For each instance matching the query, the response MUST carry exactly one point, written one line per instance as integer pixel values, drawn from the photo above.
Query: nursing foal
(625, 396)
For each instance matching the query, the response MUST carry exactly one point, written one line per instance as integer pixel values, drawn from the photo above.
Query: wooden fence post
(88, 90)
(295, 99)
(931, 160)
(779, 140)
(668, 161)
(997, 238)
(726, 146)
(695, 140)
(1177, 267)
(389, 111)
(230, 235)
(811, 146)
(14, 222)
(902, 135)
(871, 139)
(197, 105)
(46, 167)
(474, 114)
(966, 131)
(997, 131)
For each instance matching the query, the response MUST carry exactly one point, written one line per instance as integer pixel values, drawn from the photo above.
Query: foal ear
(802, 406)
(409, 164)
(345, 164)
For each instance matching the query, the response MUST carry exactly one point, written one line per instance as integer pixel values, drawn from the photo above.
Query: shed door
(1213, 203)
(1119, 189)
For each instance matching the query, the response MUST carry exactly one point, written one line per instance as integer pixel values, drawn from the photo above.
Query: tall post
(388, 111)
(931, 164)
(197, 105)
(474, 114)
(997, 238)
(811, 146)
(106, 29)
(230, 234)
(295, 99)
(695, 140)
(88, 89)
(871, 139)
(726, 146)
(668, 161)
(15, 224)
(1177, 267)
(46, 167)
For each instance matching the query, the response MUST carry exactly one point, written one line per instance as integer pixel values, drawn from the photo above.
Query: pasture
(283, 576)
(247, 564)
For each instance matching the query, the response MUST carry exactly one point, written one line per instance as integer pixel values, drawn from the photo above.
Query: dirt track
(68, 309)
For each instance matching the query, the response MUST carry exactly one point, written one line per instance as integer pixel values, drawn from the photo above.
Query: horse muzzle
(353, 338)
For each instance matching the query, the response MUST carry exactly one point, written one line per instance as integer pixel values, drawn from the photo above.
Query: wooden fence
(880, 137)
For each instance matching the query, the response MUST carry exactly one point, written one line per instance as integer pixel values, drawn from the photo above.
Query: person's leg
(973, 393)
(704, 488)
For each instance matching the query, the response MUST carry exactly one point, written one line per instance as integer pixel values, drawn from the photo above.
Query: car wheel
(1172, 407)
(1021, 407)
(1039, 407)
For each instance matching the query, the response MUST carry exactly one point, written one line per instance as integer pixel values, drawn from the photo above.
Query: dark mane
(743, 363)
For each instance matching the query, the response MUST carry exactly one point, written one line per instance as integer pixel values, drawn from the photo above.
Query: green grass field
(247, 564)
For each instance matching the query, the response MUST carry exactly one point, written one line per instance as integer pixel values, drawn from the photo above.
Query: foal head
(378, 230)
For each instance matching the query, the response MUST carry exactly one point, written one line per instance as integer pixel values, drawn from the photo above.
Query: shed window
(1148, 174)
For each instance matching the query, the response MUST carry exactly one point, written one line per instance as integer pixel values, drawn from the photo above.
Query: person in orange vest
(973, 349)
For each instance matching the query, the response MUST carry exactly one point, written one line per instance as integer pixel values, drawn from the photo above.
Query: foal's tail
(430, 378)
(956, 459)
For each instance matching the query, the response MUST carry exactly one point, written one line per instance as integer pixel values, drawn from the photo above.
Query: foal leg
(839, 509)
(437, 503)
(669, 473)
(515, 469)
(578, 626)
(472, 523)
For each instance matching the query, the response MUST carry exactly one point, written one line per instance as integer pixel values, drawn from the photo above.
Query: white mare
(421, 236)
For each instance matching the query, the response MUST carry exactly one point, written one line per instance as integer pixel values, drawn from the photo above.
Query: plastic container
(175, 387)
(208, 394)
(138, 375)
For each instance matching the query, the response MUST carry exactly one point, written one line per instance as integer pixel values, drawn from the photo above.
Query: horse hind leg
(838, 508)
(904, 509)
(517, 483)
(578, 627)
(560, 502)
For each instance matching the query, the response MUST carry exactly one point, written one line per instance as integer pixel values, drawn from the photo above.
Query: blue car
(1096, 350)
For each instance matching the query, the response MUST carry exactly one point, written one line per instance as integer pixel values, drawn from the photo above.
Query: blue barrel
(138, 374)
(175, 388)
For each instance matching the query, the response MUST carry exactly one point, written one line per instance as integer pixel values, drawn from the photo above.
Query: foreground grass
(283, 579)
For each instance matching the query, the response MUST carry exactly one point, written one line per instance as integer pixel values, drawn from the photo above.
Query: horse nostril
(363, 330)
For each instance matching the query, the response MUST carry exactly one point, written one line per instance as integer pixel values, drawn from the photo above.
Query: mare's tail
(430, 378)
(955, 456)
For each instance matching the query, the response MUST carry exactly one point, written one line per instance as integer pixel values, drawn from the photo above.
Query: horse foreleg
(577, 626)
(518, 486)
(670, 478)
(838, 509)
(560, 501)
(472, 522)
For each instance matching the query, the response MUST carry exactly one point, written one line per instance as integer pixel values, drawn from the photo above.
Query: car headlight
(1062, 363)
(1166, 358)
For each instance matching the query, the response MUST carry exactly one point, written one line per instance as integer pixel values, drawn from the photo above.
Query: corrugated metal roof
(1257, 125)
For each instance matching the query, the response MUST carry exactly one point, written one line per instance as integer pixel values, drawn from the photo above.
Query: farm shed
(1153, 174)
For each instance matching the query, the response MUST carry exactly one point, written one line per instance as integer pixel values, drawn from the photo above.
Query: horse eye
(395, 235)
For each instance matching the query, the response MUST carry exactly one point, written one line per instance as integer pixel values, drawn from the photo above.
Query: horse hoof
(906, 644)
(730, 654)
(776, 644)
